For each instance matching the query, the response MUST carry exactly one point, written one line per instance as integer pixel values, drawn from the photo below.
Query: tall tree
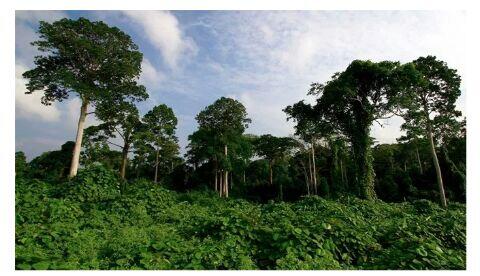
(413, 137)
(430, 102)
(159, 125)
(338, 173)
(274, 149)
(89, 59)
(121, 122)
(352, 101)
(311, 126)
(223, 122)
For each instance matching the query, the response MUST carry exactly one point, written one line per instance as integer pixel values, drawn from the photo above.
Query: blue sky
(264, 59)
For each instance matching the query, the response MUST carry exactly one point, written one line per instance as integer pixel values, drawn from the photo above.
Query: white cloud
(150, 77)
(29, 106)
(35, 16)
(281, 53)
(266, 59)
(163, 31)
(26, 23)
(388, 131)
(266, 114)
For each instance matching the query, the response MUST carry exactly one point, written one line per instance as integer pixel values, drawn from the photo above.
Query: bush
(95, 183)
(150, 227)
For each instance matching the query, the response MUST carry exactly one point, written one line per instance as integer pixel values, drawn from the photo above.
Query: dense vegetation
(327, 197)
(87, 223)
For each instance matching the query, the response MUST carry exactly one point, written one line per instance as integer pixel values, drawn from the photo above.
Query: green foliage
(352, 101)
(92, 59)
(52, 165)
(149, 227)
(100, 152)
(20, 163)
(93, 184)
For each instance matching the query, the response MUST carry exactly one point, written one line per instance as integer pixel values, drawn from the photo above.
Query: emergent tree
(89, 59)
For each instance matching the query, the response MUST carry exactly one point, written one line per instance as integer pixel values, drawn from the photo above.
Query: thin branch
(378, 122)
(119, 133)
(114, 144)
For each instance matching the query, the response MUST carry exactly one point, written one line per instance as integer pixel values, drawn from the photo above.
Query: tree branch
(114, 144)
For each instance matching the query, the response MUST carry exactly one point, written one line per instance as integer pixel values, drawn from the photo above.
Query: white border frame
(7, 104)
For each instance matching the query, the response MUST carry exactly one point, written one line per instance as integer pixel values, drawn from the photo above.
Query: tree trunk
(310, 182)
(365, 175)
(306, 178)
(225, 178)
(314, 168)
(216, 180)
(443, 200)
(156, 166)
(418, 159)
(220, 192)
(225, 192)
(243, 170)
(123, 166)
(215, 172)
(78, 142)
(454, 168)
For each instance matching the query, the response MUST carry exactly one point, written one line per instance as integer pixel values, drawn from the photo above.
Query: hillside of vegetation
(97, 221)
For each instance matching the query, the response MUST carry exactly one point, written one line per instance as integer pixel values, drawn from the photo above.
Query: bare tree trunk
(225, 179)
(78, 142)
(454, 168)
(306, 179)
(216, 180)
(225, 192)
(310, 170)
(156, 166)
(221, 184)
(443, 200)
(314, 167)
(123, 166)
(418, 159)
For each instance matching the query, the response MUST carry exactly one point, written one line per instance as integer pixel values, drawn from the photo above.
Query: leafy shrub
(150, 227)
(93, 184)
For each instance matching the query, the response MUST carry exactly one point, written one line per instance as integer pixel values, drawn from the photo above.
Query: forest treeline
(332, 153)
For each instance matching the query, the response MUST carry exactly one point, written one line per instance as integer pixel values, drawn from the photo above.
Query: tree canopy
(96, 62)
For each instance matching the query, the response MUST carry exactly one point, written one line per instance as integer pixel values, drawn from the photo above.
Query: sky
(264, 59)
